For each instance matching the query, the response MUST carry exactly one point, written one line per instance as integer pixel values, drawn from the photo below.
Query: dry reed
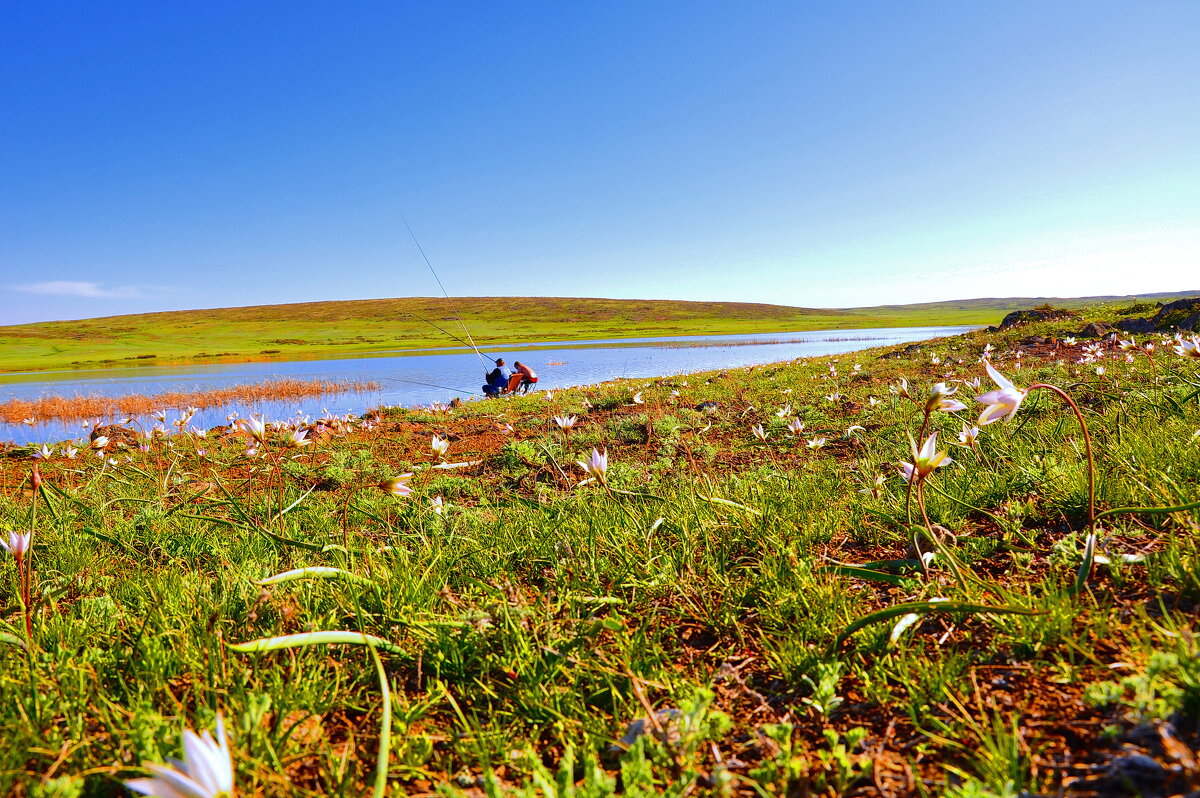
(69, 408)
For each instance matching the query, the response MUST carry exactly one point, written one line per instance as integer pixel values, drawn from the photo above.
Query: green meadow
(334, 329)
(745, 598)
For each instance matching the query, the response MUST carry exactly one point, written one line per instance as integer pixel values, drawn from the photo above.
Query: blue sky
(163, 156)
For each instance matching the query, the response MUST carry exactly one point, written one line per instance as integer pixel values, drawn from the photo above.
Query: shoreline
(182, 401)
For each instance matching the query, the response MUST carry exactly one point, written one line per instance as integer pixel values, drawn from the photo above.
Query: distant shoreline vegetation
(75, 408)
(335, 329)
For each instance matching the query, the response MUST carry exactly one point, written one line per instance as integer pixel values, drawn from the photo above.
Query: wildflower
(396, 486)
(1149, 347)
(43, 452)
(796, 426)
(1069, 341)
(565, 422)
(833, 397)
(161, 415)
(900, 388)
(596, 465)
(298, 438)
(925, 461)
(18, 543)
(1002, 402)
(1100, 371)
(875, 489)
(935, 360)
(206, 770)
(759, 432)
(548, 396)
(816, 443)
(1127, 345)
(69, 452)
(972, 383)
(99, 442)
(439, 445)
(436, 505)
(784, 411)
(1188, 348)
(252, 427)
(939, 399)
(853, 429)
(29, 421)
(872, 401)
(967, 436)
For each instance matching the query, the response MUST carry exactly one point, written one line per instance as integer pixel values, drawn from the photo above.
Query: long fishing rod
(440, 329)
(431, 385)
(446, 295)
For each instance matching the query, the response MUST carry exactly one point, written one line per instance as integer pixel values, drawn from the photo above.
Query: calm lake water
(422, 377)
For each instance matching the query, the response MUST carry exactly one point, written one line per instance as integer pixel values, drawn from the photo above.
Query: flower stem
(1087, 443)
(909, 490)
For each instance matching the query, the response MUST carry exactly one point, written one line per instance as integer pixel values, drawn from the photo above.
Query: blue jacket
(499, 376)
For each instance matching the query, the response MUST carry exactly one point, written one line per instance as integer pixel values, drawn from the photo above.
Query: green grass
(531, 622)
(329, 329)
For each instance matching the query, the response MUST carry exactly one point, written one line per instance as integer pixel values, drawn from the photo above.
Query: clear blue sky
(160, 156)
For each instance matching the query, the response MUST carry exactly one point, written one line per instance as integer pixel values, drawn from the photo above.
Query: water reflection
(416, 378)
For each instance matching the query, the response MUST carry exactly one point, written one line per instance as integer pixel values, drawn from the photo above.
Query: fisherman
(522, 378)
(497, 379)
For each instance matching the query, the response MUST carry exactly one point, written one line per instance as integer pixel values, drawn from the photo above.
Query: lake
(422, 377)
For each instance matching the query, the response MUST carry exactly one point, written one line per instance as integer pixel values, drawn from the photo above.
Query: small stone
(668, 719)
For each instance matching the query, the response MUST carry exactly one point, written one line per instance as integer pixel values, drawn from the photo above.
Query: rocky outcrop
(1136, 325)
(116, 437)
(1097, 329)
(1182, 314)
(1036, 314)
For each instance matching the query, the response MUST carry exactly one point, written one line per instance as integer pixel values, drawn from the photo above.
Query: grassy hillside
(316, 329)
(746, 600)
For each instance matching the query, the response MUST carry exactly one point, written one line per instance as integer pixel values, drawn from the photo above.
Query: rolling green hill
(324, 329)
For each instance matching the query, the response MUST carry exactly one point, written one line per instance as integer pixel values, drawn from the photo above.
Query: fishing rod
(438, 328)
(431, 385)
(444, 293)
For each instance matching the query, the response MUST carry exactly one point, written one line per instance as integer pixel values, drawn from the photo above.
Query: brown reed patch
(69, 408)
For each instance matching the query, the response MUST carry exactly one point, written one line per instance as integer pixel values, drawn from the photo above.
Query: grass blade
(1085, 567)
(315, 572)
(385, 726)
(727, 503)
(12, 640)
(932, 605)
(331, 637)
(858, 572)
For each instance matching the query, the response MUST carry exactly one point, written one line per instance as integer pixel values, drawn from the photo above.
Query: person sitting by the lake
(522, 377)
(497, 379)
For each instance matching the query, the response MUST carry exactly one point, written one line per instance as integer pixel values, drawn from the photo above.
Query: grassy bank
(330, 329)
(750, 601)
